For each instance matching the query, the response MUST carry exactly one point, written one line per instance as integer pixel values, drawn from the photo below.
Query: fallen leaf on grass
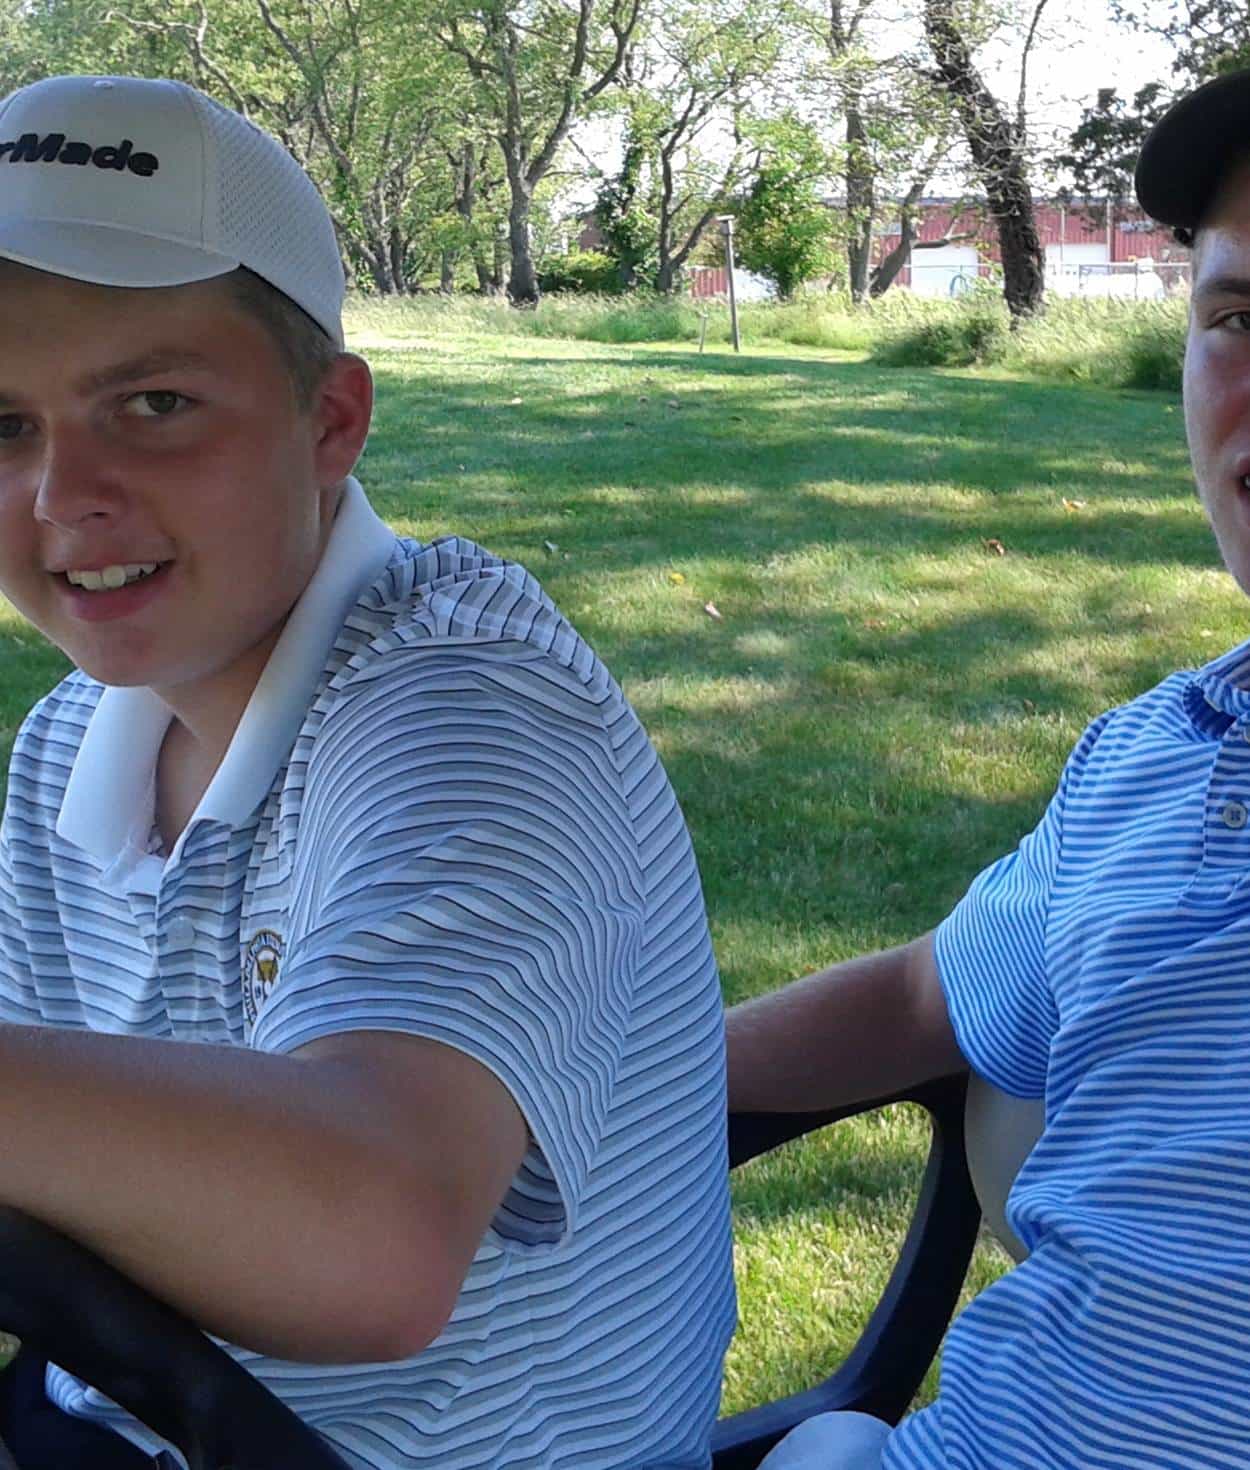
(512, 402)
(1029, 706)
(674, 403)
(1207, 633)
(713, 611)
(551, 547)
(995, 545)
(676, 579)
(1073, 504)
(874, 623)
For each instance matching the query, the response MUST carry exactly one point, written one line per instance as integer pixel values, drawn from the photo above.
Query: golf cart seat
(980, 1138)
(75, 1309)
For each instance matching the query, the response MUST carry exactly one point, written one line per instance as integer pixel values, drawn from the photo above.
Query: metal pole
(727, 229)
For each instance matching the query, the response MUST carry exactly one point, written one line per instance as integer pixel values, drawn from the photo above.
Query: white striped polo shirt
(1105, 966)
(438, 816)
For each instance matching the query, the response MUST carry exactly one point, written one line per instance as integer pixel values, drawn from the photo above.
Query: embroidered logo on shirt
(260, 972)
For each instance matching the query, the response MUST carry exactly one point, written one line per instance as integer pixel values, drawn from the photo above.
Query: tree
(536, 67)
(886, 272)
(1210, 36)
(894, 123)
(786, 230)
(477, 221)
(998, 145)
(690, 78)
(351, 88)
(1102, 151)
(625, 204)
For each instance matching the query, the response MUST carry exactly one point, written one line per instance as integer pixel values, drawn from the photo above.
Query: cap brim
(1189, 149)
(105, 255)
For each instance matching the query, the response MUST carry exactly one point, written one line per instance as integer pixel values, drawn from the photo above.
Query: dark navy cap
(1188, 151)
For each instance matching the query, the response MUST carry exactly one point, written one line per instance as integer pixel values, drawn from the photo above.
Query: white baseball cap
(124, 181)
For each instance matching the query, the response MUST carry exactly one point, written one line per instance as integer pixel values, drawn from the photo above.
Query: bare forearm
(861, 1029)
(241, 1187)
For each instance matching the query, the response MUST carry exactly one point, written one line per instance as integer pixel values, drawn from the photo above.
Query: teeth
(111, 578)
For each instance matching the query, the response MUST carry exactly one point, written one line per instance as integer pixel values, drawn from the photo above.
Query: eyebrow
(1224, 286)
(133, 370)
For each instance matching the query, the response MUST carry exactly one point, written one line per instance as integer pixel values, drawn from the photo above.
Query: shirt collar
(1220, 691)
(109, 803)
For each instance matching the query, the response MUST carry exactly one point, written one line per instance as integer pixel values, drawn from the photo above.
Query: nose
(74, 483)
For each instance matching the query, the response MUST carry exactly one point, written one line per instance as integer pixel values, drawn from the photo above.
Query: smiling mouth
(112, 579)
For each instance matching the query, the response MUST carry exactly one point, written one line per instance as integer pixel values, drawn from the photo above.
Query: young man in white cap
(355, 982)
(1101, 966)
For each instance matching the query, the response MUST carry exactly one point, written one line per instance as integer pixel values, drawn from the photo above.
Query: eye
(10, 427)
(162, 402)
(1238, 321)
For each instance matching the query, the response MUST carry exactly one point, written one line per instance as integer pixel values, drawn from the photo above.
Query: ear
(341, 417)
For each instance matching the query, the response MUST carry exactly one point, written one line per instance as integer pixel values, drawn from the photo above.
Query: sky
(1079, 50)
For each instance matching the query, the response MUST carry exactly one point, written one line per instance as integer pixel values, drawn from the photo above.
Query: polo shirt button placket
(181, 932)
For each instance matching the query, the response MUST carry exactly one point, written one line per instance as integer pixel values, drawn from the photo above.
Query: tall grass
(1114, 344)
(822, 321)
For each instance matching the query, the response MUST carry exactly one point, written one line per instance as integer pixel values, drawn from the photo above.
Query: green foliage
(975, 331)
(785, 229)
(580, 270)
(1102, 152)
(1122, 344)
(625, 206)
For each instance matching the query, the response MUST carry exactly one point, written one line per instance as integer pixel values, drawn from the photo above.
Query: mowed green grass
(913, 630)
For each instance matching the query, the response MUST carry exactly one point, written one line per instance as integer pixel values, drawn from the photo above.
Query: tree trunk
(522, 278)
(487, 284)
(396, 254)
(376, 258)
(497, 269)
(998, 153)
(860, 200)
(447, 271)
(884, 275)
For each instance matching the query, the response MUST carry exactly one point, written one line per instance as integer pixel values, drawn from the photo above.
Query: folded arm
(322, 1206)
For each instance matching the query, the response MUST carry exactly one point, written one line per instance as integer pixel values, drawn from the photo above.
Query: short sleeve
(18, 1003)
(991, 952)
(467, 872)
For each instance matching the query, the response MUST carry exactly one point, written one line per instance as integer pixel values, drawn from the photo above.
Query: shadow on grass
(744, 460)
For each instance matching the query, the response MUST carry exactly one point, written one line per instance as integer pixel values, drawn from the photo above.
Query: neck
(209, 710)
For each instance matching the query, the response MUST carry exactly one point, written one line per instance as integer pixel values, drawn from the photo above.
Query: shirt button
(182, 930)
(1235, 815)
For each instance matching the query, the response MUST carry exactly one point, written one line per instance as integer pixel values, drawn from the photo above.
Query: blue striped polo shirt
(1105, 967)
(438, 816)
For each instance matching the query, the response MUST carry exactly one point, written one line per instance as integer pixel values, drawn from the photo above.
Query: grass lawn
(924, 584)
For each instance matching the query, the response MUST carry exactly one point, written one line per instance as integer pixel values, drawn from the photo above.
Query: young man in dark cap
(1102, 967)
(355, 987)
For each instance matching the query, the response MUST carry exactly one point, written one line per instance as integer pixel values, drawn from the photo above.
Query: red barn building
(1096, 247)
